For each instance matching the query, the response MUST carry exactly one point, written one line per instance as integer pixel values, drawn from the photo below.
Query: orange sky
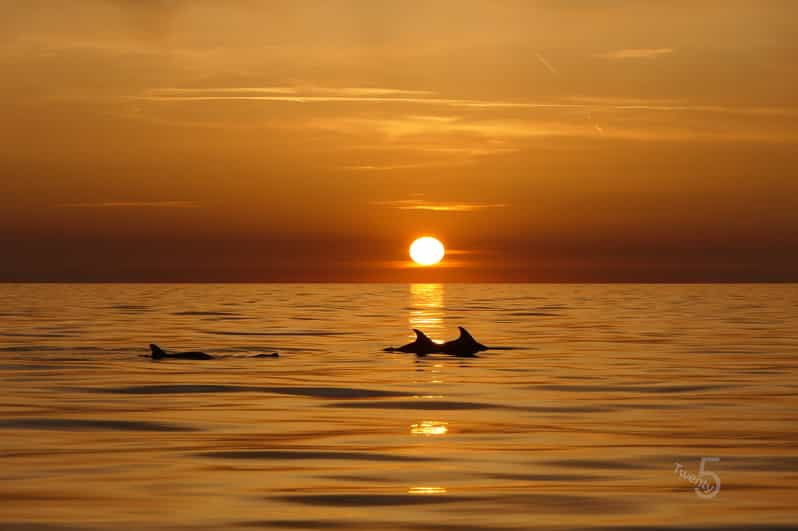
(558, 140)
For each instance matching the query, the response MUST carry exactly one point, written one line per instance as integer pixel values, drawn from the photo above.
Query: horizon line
(599, 282)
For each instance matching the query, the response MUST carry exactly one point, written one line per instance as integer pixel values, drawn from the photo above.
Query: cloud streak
(637, 53)
(133, 204)
(307, 91)
(436, 206)
(547, 64)
(321, 95)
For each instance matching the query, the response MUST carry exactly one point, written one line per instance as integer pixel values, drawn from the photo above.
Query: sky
(550, 140)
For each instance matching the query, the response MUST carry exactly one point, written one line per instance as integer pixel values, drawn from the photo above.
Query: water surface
(581, 426)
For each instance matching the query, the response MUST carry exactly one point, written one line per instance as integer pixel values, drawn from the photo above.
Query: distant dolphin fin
(157, 352)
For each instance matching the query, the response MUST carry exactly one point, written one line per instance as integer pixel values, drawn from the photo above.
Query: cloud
(392, 167)
(436, 206)
(134, 204)
(315, 94)
(608, 102)
(547, 64)
(441, 131)
(370, 91)
(496, 131)
(637, 53)
(303, 92)
(175, 92)
(379, 95)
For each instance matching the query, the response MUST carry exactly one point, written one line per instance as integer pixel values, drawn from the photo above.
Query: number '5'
(709, 492)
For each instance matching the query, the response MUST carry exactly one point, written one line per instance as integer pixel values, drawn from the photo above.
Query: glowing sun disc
(426, 251)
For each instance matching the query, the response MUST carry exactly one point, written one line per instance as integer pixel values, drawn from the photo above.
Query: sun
(427, 251)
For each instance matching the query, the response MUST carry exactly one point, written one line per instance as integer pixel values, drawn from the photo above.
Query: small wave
(89, 424)
(784, 464)
(537, 503)
(546, 477)
(315, 333)
(43, 335)
(53, 348)
(35, 348)
(358, 479)
(249, 349)
(314, 392)
(374, 500)
(201, 313)
(27, 367)
(131, 308)
(630, 388)
(291, 455)
(570, 409)
(598, 464)
(416, 404)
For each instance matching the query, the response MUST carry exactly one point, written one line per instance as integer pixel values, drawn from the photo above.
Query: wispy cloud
(495, 131)
(134, 204)
(547, 64)
(177, 92)
(371, 91)
(392, 167)
(321, 95)
(623, 102)
(301, 91)
(636, 53)
(314, 94)
(436, 206)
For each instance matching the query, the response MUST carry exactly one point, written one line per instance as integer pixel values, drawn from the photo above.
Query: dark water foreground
(598, 420)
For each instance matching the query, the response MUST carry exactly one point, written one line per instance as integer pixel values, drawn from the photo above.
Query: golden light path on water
(429, 427)
(427, 310)
(426, 490)
(426, 314)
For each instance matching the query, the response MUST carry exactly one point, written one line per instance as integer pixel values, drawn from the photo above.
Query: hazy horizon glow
(541, 141)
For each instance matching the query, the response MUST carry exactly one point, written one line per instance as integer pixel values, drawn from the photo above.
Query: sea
(609, 407)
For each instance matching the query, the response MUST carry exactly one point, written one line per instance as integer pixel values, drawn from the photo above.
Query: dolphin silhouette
(464, 346)
(158, 353)
(420, 347)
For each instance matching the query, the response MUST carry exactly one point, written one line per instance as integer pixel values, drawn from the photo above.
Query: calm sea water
(584, 425)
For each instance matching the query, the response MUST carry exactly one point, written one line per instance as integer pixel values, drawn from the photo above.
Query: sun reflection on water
(426, 309)
(429, 428)
(426, 490)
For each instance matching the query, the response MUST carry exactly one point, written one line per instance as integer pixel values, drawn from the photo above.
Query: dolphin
(464, 346)
(420, 347)
(158, 353)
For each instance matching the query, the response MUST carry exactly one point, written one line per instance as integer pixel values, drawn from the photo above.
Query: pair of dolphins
(464, 346)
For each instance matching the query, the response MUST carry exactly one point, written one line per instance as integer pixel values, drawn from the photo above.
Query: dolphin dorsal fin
(421, 336)
(157, 352)
(465, 335)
